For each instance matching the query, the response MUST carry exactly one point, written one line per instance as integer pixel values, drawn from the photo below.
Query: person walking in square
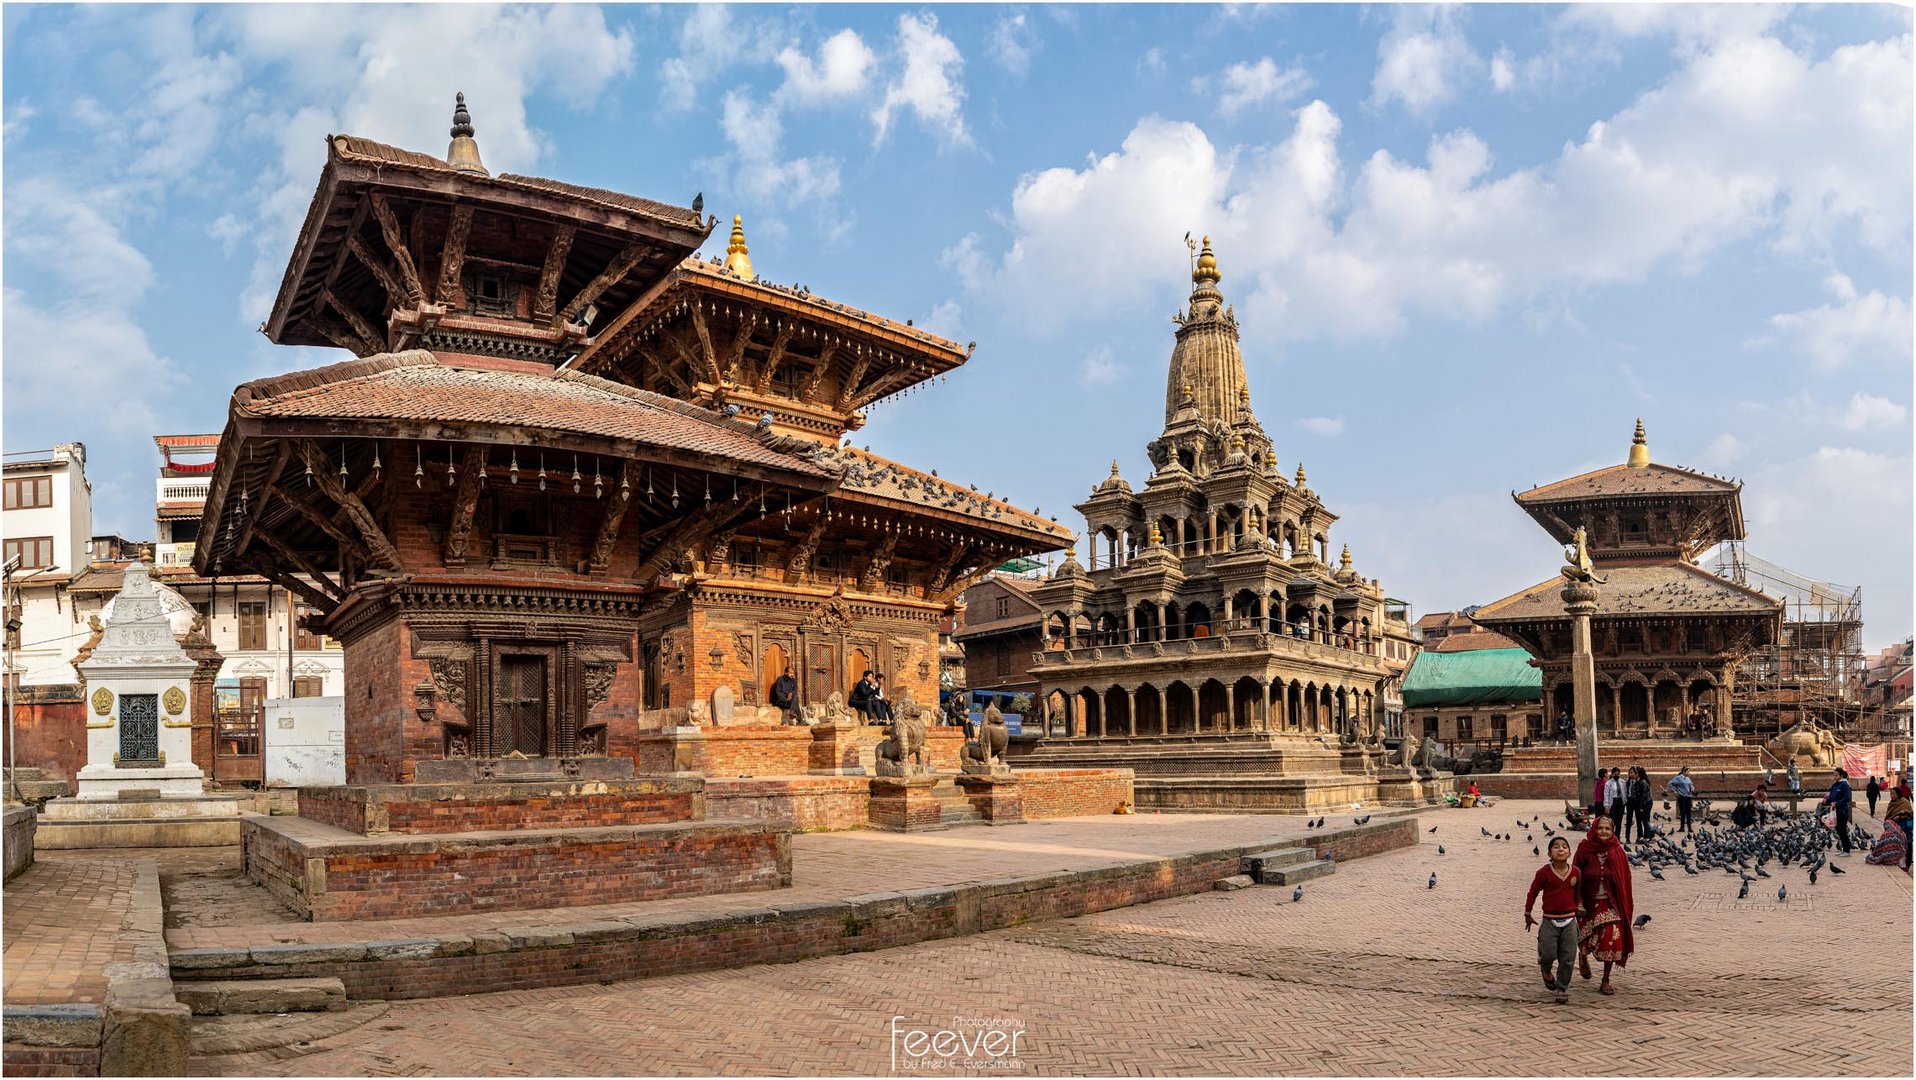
(1603, 886)
(1616, 794)
(1639, 808)
(1839, 800)
(1874, 790)
(1684, 789)
(1556, 882)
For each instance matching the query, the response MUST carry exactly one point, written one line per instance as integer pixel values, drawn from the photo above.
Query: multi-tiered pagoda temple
(1211, 644)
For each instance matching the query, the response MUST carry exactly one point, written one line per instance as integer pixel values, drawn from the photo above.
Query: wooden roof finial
(463, 154)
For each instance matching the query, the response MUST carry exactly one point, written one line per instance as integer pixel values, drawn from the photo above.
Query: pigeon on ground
(1361, 821)
(1440, 849)
(1297, 894)
(1744, 892)
(1433, 880)
(1433, 828)
(1534, 850)
(1835, 869)
(1782, 892)
(1641, 919)
(1483, 830)
(1812, 875)
(1655, 873)
(1310, 823)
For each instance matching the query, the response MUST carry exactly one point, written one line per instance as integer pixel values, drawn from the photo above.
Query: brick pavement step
(1265, 862)
(234, 996)
(1302, 872)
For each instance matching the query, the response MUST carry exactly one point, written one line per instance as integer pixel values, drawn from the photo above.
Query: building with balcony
(48, 527)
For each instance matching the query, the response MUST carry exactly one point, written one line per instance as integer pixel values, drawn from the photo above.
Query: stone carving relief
(175, 701)
(102, 701)
(598, 684)
(450, 677)
(834, 616)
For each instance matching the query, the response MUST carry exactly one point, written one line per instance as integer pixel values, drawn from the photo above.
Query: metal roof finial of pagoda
(1205, 274)
(1344, 560)
(1300, 482)
(738, 257)
(463, 154)
(1639, 448)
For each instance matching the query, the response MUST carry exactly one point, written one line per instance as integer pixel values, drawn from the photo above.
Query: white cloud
(1422, 60)
(18, 119)
(1013, 40)
(1868, 411)
(1323, 425)
(842, 70)
(926, 83)
(1503, 72)
(1747, 140)
(1099, 368)
(1247, 84)
(710, 44)
(1724, 451)
(1867, 327)
(947, 319)
(1152, 62)
(755, 132)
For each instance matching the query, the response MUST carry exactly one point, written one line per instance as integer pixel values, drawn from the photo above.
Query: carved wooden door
(521, 702)
(139, 729)
(820, 676)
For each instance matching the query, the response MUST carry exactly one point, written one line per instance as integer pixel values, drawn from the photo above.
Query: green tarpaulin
(1472, 678)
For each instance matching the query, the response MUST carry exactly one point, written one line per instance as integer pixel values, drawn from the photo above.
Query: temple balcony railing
(180, 489)
(1244, 642)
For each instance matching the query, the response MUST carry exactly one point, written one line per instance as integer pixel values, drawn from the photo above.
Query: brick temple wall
(51, 721)
(450, 808)
(810, 803)
(1057, 793)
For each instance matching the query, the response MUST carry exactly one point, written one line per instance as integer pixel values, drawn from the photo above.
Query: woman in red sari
(1605, 888)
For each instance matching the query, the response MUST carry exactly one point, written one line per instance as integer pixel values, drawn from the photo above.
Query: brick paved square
(1371, 974)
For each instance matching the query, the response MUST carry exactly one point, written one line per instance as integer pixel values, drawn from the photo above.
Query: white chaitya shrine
(139, 710)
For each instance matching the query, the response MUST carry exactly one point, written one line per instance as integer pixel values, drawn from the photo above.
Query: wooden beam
(801, 560)
(265, 493)
(394, 290)
(325, 585)
(319, 518)
(850, 389)
(402, 254)
(452, 257)
(735, 356)
(966, 551)
(265, 568)
(362, 518)
(653, 357)
(601, 344)
(620, 266)
(465, 501)
(343, 336)
(874, 573)
(690, 530)
(609, 523)
(707, 352)
(556, 252)
(823, 364)
(772, 359)
(357, 321)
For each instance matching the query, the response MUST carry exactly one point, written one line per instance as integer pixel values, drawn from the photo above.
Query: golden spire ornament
(1639, 448)
(738, 258)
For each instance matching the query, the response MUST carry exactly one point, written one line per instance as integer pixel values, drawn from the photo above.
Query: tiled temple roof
(1616, 480)
(1658, 589)
(868, 474)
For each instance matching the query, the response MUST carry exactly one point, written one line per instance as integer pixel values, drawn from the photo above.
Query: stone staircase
(954, 809)
(35, 786)
(1287, 866)
(1235, 754)
(231, 997)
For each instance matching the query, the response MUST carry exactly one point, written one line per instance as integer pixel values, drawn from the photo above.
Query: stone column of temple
(1230, 706)
(1197, 717)
(1264, 705)
(1131, 713)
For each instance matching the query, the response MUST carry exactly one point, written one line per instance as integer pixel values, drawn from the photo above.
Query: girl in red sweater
(1558, 884)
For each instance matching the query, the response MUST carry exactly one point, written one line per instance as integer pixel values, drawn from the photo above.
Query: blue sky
(1468, 245)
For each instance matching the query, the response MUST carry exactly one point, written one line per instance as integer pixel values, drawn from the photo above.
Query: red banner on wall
(1863, 762)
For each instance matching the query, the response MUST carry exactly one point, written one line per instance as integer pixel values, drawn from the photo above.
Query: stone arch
(1145, 618)
(1244, 607)
(1179, 719)
(1150, 710)
(1247, 699)
(1197, 620)
(1213, 713)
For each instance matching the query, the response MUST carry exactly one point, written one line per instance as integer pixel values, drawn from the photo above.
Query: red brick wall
(483, 807)
(52, 1060)
(654, 863)
(1525, 786)
(810, 803)
(899, 807)
(51, 721)
(1056, 793)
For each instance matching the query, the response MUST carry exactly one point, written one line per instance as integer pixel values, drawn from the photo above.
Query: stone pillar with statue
(1580, 602)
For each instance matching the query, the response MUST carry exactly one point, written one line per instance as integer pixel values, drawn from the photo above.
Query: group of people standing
(1625, 798)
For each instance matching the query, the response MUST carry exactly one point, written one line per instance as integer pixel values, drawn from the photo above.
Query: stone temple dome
(179, 613)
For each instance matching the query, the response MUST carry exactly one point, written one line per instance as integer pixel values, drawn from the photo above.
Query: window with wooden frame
(29, 492)
(1004, 607)
(34, 552)
(304, 639)
(1463, 727)
(252, 624)
(309, 686)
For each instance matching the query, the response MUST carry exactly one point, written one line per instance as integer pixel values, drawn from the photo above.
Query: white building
(48, 526)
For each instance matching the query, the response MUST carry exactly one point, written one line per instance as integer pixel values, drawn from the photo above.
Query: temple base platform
(505, 834)
(1243, 772)
(1720, 768)
(142, 819)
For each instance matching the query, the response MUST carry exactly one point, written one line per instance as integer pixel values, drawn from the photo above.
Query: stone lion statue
(902, 753)
(986, 753)
(1429, 758)
(1816, 745)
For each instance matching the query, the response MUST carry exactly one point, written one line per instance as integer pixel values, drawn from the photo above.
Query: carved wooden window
(522, 529)
(745, 559)
(1630, 640)
(651, 694)
(252, 625)
(492, 294)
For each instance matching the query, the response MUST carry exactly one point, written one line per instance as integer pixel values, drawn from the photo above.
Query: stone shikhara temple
(576, 504)
(1211, 645)
(1668, 634)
